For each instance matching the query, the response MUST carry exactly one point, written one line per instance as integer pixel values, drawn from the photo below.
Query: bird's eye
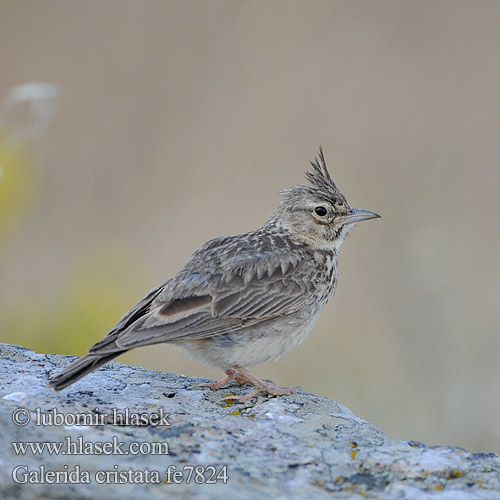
(321, 211)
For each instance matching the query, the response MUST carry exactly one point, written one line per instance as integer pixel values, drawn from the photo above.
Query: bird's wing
(137, 311)
(238, 291)
(265, 286)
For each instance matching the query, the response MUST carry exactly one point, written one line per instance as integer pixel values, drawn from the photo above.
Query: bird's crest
(322, 186)
(319, 175)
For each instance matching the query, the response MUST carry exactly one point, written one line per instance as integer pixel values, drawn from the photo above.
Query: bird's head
(318, 212)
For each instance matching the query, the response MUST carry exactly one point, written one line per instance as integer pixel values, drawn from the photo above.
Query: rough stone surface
(294, 447)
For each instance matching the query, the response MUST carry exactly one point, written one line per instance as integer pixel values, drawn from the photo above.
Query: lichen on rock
(171, 440)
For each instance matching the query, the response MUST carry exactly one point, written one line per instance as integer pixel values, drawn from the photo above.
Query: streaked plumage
(245, 299)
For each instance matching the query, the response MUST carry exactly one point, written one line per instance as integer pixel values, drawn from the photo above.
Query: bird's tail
(81, 367)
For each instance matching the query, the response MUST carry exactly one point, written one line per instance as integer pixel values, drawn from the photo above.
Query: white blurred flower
(41, 98)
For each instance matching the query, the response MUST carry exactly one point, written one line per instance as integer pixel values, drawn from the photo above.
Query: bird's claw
(269, 389)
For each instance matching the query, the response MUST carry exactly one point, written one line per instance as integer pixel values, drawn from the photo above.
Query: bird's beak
(357, 215)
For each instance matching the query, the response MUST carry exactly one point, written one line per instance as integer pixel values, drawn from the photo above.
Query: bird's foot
(273, 390)
(231, 375)
(261, 387)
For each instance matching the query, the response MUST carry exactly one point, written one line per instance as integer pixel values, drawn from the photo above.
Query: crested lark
(245, 299)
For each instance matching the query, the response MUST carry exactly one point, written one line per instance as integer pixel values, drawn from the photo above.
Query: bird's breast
(327, 272)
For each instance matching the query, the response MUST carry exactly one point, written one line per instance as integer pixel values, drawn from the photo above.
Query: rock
(294, 447)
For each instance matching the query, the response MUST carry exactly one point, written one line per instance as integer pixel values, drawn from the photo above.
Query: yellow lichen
(454, 474)
(229, 402)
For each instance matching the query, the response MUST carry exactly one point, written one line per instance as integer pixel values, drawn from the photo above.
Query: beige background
(180, 121)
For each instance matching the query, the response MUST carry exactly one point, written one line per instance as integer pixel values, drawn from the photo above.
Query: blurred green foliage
(96, 293)
(19, 181)
(92, 300)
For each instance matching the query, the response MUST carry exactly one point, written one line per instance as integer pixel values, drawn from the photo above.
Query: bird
(245, 299)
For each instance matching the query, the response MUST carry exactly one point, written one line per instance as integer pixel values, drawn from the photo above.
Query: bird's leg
(261, 386)
(231, 375)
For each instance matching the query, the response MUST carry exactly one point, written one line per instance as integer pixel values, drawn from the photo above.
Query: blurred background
(174, 122)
